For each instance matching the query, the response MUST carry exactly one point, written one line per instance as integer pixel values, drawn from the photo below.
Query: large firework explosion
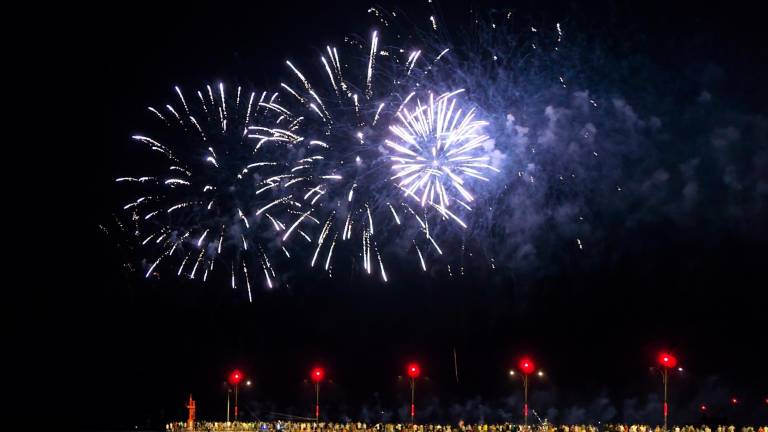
(385, 161)
(207, 197)
(372, 153)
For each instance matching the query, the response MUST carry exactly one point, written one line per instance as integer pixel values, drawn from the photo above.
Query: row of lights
(526, 366)
(413, 370)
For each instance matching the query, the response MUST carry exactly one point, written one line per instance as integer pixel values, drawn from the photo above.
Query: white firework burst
(438, 146)
(212, 195)
(339, 117)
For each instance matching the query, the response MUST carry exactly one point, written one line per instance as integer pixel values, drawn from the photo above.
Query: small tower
(191, 419)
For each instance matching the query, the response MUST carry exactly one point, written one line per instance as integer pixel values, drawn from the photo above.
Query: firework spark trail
(214, 195)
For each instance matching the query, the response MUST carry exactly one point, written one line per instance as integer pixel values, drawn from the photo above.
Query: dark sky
(136, 349)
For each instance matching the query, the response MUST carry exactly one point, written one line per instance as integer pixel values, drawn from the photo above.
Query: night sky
(688, 278)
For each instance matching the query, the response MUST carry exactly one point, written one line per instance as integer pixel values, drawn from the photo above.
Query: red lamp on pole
(413, 371)
(527, 367)
(234, 378)
(317, 376)
(666, 361)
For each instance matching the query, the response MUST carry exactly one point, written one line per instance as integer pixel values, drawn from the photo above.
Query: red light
(235, 377)
(667, 360)
(414, 370)
(317, 374)
(703, 407)
(527, 366)
(734, 401)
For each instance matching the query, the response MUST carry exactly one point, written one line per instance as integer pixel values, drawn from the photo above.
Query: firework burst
(436, 148)
(354, 130)
(209, 195)
(375, 151)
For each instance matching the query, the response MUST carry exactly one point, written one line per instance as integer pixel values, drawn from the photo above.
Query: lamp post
(317, 375)
(234, 378)
(526, 366)
(229, 390)
(666, 361)
(414, 371)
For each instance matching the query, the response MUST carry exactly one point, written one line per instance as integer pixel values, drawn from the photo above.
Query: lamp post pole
(229, 390)
(666, 361)
(525, 403)
(236, 406)
(234, 379)
(413, 399)
(316, 375)
(414, 370)
(665, 377)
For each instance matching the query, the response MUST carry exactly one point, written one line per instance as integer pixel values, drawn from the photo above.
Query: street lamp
(317, 375)
(234, 378)
(414, 371)
(666, 361)
(527, 367)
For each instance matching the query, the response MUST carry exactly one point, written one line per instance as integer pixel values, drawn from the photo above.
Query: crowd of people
(284, 426)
